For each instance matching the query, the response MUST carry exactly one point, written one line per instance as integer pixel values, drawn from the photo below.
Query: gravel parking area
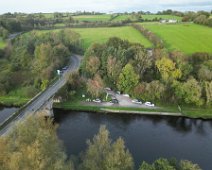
(127, 101)
(123, 102)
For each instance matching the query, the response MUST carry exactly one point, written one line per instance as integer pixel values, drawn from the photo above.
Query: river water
(146, 137)
(5, 112)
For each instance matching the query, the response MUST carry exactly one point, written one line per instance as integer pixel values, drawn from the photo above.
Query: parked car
(126, 95)
(114, 101)
(108, 88)
(149, 104)
(136, 101)
(88, 100)
(113, 97)
(65, 68)
(97, 101)
(118, 92)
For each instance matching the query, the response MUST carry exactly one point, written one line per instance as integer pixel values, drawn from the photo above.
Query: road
(14, 35)
(46, 95)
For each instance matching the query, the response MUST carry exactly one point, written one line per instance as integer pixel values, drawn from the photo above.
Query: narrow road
(46, 95)
(14, 35)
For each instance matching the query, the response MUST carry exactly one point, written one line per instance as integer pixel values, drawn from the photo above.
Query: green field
(151, 17)
(101, 35)
(124, 17)
(104, 17)
(188, 38)
(2, 43)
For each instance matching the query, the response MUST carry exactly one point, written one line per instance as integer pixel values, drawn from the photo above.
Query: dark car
(114, 101)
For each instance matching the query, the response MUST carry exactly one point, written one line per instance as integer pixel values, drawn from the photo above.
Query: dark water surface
(147, 137)
(5, 112)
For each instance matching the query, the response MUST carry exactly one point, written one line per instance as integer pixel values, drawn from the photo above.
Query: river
(5, 112)
(146, 137)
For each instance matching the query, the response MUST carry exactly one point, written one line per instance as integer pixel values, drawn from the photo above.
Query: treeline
(156, 76)
(158, 43)
(4, 33)
(170, 12)
(88, 13)
(200, 17)
(37, 147)
(18, 22)
(29, 63)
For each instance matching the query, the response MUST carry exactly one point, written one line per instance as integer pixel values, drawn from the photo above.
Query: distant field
(2, 43)
(103, 17)
(123, 17)
(101, 35)
(188, 38)
(150, 17)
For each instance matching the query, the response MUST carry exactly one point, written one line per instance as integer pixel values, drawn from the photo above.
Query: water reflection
(147, 137)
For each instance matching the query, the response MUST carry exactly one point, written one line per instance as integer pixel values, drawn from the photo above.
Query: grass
(188, 38)
(195, 112)
(124, 17)
(191, 112)
(59, 25)
(2, 43)
(101, 35)
(13, 100)
(92, 18)
(151, 17)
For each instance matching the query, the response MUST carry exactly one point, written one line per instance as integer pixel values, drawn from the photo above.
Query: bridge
(43, 99)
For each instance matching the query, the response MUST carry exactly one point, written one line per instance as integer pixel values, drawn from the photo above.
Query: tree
(168, 70)
(182, 62)
(208, 92)
(113, 69)
(43, 56)
(128, 79)
(36, 146)
(105, 155)
(205, 73)
(142, 60)
(202, 19)
(188, 165)
(153, 91)
(95, 86)
(4, 33)
(165, 164)
(92, 65)
(190, 92)
(44, 84)
(146, 166)
(75, 81)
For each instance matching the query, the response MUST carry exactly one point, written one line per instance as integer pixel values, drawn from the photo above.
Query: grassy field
(101, 35)
(104, 17)
(150, 17)
(13, 100)
(2, 43)
(124, 17)
(188, 38)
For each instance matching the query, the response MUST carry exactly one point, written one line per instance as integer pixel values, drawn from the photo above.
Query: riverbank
(166, 111)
